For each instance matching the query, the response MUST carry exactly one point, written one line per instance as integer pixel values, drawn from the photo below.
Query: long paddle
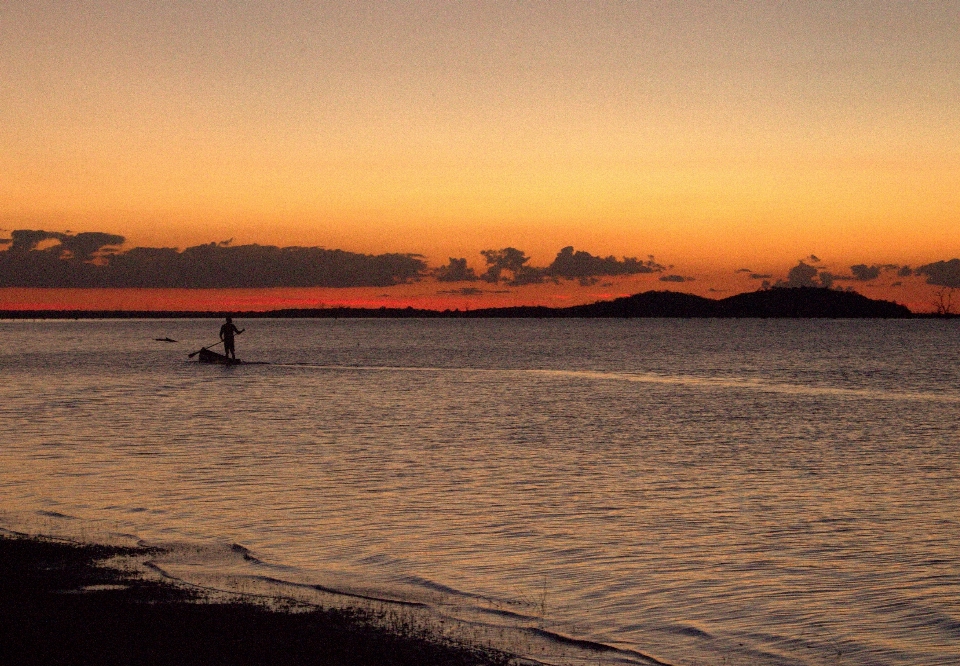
(207, 347)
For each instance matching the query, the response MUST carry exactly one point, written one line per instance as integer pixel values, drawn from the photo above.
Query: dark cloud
(456, 271)
(675, 278)
(754, 275)
(511, 265)
(41, 258)
(85, 246)
(82, 247)
(941, 273)
(576, 264)
(25, 240)
(513, 261)
(464, 291)
(93, 259)
(801, 275)
(865, 273)
(805, 275)
(527, 275)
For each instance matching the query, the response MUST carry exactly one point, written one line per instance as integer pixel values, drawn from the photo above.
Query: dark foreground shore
(60, 605)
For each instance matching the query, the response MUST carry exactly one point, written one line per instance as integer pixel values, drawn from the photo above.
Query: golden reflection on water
(755, 506)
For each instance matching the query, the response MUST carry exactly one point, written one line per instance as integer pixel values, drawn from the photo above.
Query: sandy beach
(70, 603)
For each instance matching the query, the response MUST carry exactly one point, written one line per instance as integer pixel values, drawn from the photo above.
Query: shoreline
(51, 568)
(774, 303)
(66, 602)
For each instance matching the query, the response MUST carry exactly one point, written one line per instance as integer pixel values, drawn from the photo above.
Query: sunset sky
(716, 136)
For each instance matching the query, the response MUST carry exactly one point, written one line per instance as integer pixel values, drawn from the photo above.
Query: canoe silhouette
(207, 356)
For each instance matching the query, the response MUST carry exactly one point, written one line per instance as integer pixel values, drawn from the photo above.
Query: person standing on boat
(227, 331)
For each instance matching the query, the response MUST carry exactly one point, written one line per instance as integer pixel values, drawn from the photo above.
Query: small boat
(207, 356)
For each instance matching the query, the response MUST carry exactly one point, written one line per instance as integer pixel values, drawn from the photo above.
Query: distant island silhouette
(778, 302)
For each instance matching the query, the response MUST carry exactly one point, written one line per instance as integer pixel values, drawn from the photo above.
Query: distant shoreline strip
(776, 303)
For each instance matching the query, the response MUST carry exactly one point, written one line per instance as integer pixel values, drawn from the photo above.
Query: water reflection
(696, 493)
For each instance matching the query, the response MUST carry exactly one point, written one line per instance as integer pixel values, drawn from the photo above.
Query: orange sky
(714, 136)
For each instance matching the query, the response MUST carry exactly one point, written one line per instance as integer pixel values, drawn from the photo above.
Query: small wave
(244, 553)
(229, 571)
(55, 514)
(594, 647)
(437, 587)
(208, 567)
(687, 630)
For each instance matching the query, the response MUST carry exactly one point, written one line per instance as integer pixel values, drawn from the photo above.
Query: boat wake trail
(693, 381)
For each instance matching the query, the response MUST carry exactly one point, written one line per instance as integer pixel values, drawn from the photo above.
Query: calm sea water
(702, 492)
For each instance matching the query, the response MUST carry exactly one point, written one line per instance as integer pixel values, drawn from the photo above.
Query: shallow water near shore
(700, 492)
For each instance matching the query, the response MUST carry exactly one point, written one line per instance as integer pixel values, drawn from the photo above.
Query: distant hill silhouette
(647, 304)
(796, 302)
(810, 302)
(650, 304)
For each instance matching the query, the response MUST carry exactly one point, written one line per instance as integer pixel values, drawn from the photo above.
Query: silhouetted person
(227, 331)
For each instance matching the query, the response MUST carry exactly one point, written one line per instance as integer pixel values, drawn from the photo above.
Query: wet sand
(60, 604)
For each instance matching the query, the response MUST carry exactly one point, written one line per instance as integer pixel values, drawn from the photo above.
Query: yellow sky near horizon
(711, 135)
